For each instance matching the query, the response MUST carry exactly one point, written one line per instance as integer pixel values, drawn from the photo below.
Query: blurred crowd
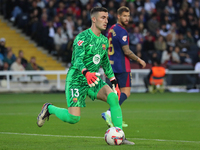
(9, 61)
(164, 30)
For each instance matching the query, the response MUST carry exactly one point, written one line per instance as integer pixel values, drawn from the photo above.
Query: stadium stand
(17, 42)
(160, 26)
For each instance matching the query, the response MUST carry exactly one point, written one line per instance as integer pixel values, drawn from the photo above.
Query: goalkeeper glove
(92, 78)
(115, 87)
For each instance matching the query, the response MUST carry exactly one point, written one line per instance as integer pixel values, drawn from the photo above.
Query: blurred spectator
(111, 5)
(167, 55)
(61, 8)
(183, 27)
(84, 2)
(34, 8)
(167, 22)
(192, 21)
(51, 11)
(49, 34)
(13, 55)
(135, 38)
(5, 67)
(3, 49)
(1, 64)
(16, 11)
(160, 5)
(171, 37)
(141, 20)
(139, 4)
(181, 15)
(176, 55)
(40, 3)
(76, 11)
(170, 8)
(160, 44)
(153, 24)
(8, 58)
(56, 22)
(184, 5)
(182, 42)
(85, 18)
(70, 26)
(196, 36)
(32, 65)
(148, 44)
(64, 28)
(17, 66)
(149, 7)
(197, 8)
(23, 60)
(1, 57)
(139, 52)
(44, 20)
(154, 57)
(111, 18)
(185, 58)
(60, 41)
(34, 18)
(188, 36)
(163, 31)
(78, 26)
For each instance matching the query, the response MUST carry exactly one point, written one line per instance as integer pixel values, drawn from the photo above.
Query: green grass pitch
(168, 121)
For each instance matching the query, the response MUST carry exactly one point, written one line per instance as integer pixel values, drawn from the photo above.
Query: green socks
(63, 114)
(115, 109)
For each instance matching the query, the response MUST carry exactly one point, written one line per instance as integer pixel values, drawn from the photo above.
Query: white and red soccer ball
(114, 136)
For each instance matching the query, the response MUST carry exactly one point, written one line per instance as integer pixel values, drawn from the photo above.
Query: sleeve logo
(124, 38)
(80, 42)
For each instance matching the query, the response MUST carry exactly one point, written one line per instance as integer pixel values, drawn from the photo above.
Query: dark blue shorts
(123, 79)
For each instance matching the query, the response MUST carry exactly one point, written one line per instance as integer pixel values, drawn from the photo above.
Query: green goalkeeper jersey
(91, 52)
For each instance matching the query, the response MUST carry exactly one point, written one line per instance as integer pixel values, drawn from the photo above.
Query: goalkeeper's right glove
(115, 87)
(92, 78)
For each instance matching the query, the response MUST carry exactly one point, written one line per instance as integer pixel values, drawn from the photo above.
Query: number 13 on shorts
(75, 92)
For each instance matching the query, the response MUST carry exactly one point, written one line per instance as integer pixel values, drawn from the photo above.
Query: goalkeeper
(89, 53)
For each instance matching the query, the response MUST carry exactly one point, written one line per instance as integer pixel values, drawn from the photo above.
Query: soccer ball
(114, 136)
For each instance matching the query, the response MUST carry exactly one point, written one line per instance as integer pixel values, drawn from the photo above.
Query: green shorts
(76, 93)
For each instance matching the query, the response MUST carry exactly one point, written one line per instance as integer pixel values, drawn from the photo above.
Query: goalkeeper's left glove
(115, 87)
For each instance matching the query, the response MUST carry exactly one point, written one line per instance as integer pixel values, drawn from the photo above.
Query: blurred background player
(120, 55)
(89, 53)
(154, 80)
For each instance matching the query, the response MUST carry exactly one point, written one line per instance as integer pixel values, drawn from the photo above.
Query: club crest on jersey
(80, 42)
(124, 38)
(75, 100)
(104, 46)
(96, 59)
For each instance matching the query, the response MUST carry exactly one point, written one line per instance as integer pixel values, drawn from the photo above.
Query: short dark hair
(97, 9)
(122, 9)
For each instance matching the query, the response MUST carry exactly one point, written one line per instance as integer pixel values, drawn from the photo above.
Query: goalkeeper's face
(101, 20)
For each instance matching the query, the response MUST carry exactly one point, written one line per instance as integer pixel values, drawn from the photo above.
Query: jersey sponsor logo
(80, 42)
(124, 38)
(104, 46)
(96, 59)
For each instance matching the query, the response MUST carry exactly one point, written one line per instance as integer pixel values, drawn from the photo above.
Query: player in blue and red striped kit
(120, 55)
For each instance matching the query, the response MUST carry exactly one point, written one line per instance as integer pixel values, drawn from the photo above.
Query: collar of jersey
(120, 26)
(93, 33)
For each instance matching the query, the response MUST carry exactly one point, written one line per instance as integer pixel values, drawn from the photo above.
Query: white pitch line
(95, 137)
